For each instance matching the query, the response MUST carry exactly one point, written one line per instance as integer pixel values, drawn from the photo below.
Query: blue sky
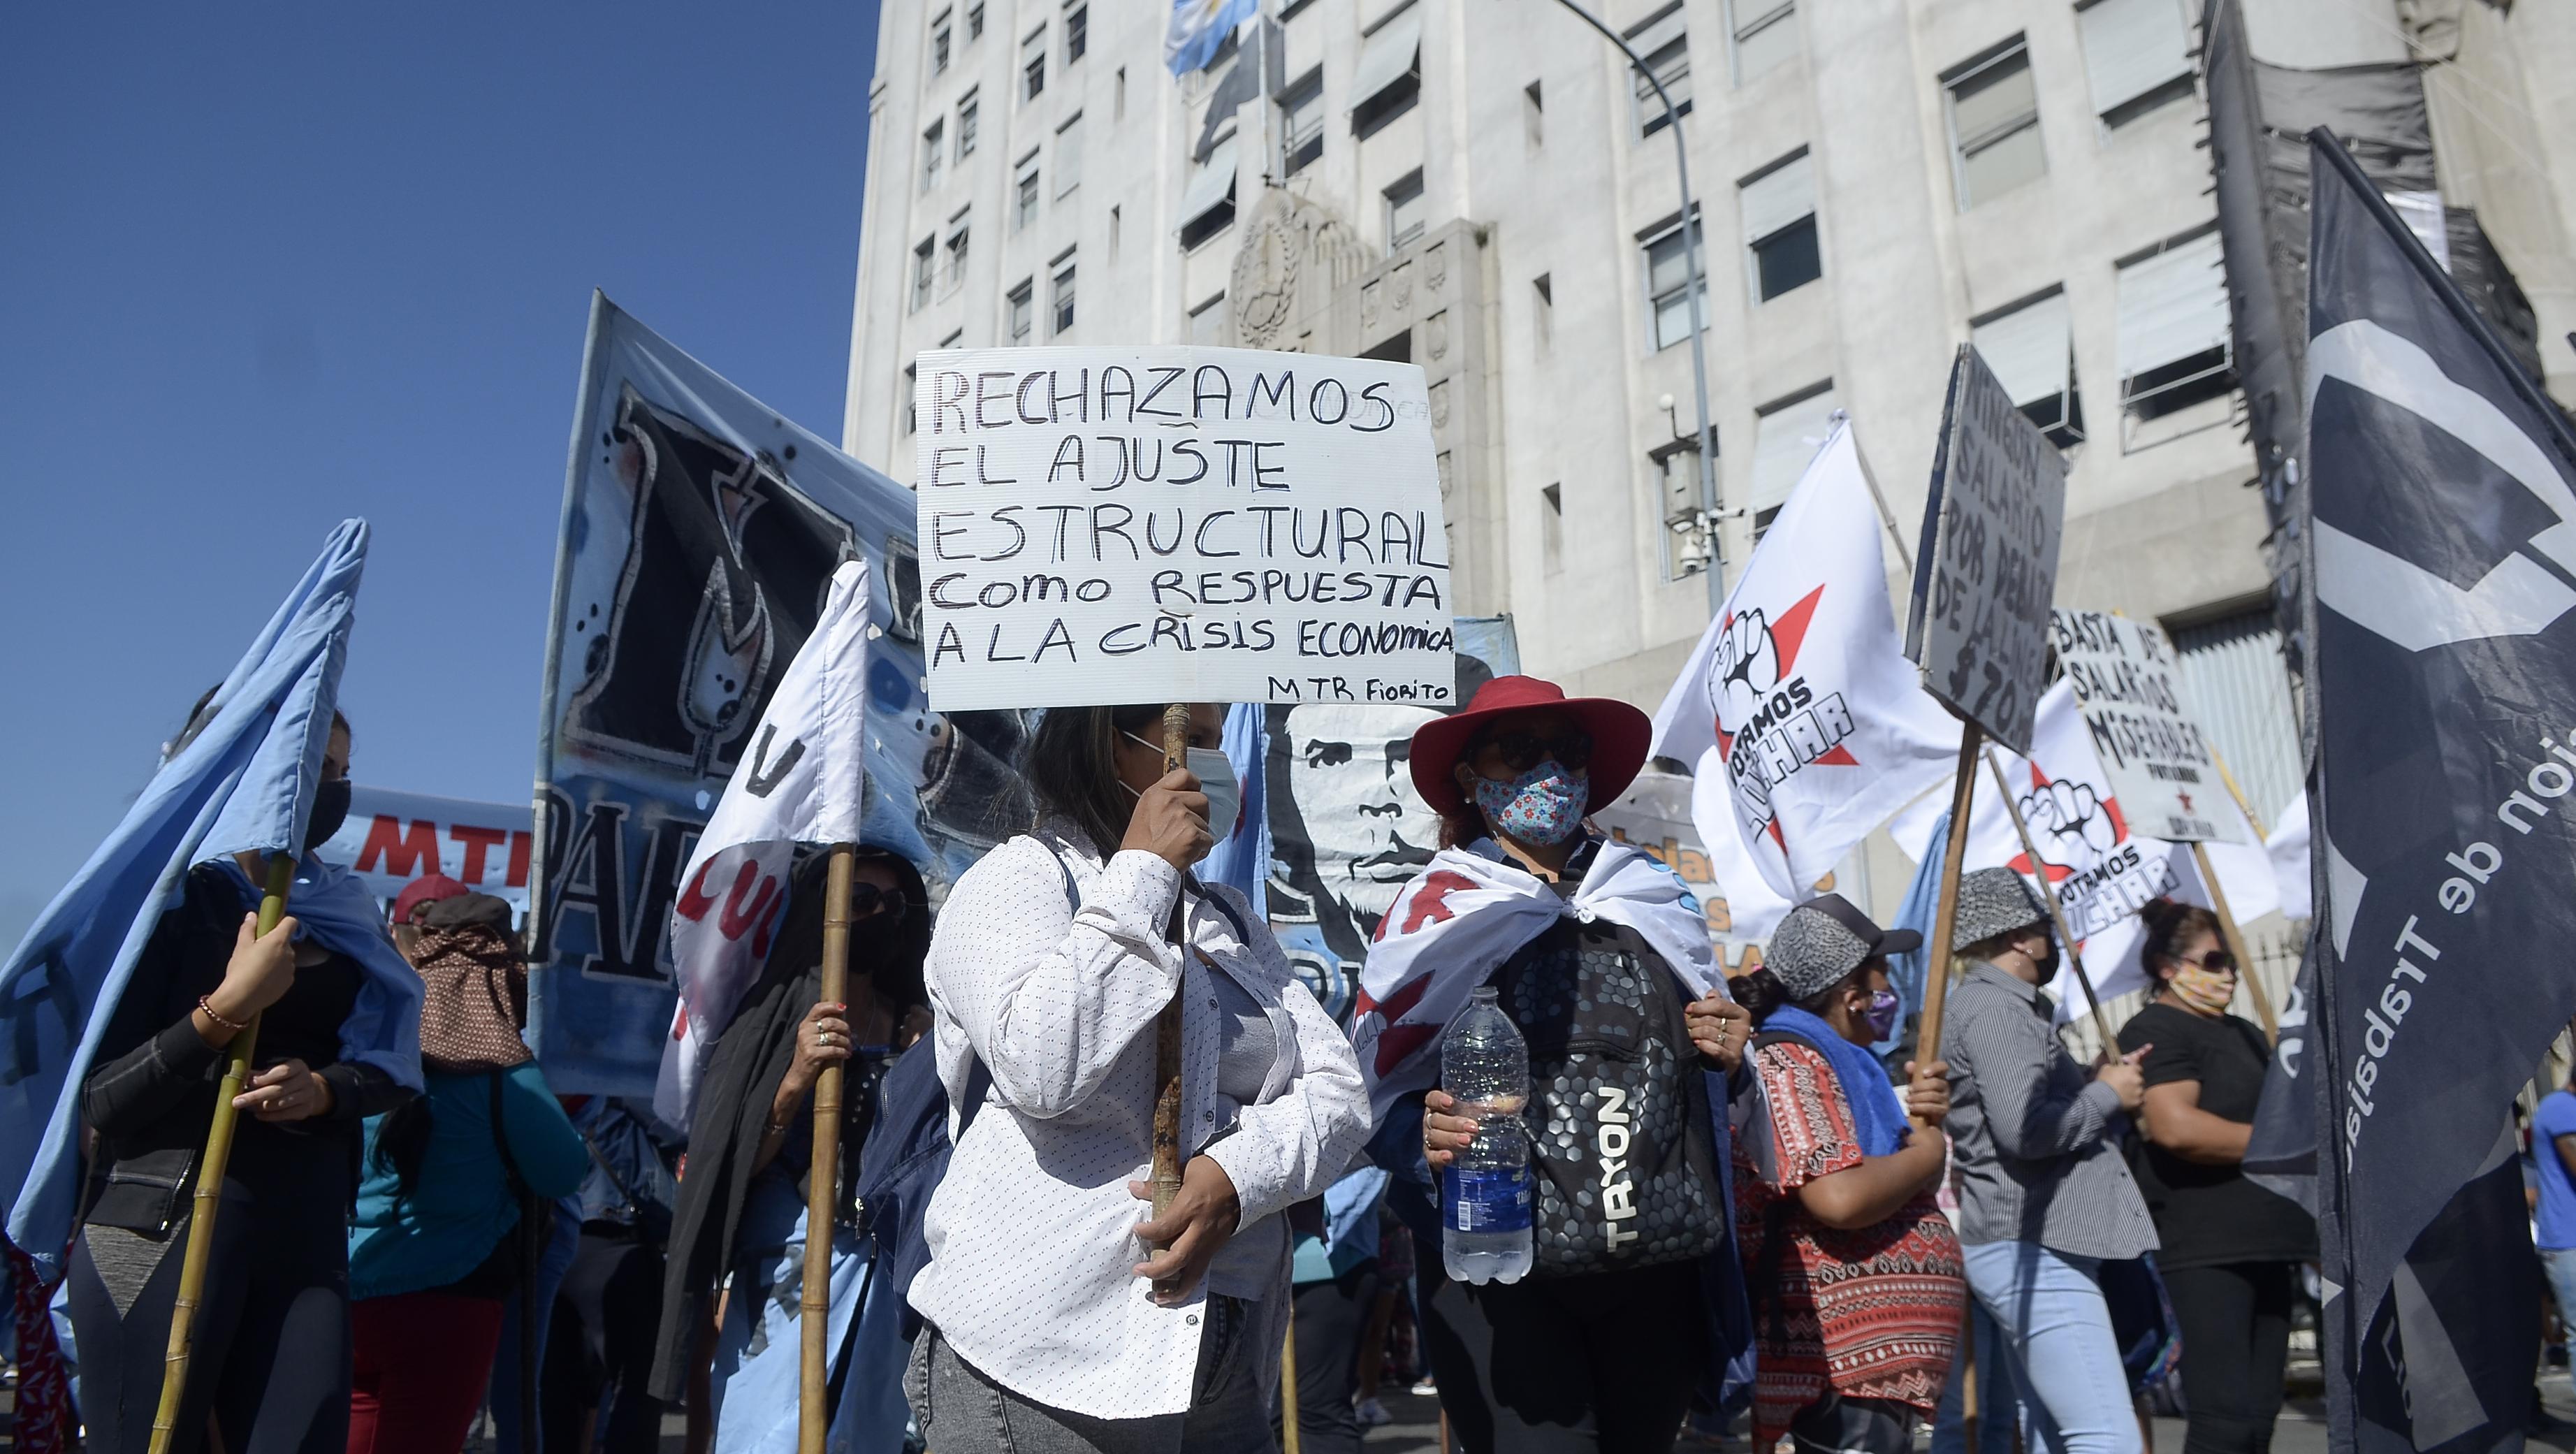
(264, 268)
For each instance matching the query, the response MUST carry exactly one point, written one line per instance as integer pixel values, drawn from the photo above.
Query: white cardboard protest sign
(1986, 565)
(2128, 685)
(1109, 525)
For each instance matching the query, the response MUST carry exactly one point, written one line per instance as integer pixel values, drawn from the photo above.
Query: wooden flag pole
(2235, 938)
(1167, 1025)
(2253, 819)
(210, 1182)
(1936, 959)
(1288, 1388)
(823, 1180)
(2056, 911)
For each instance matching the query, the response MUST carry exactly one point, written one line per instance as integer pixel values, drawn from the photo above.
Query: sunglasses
(2216, 961)
(867, 900)
(1522, 751)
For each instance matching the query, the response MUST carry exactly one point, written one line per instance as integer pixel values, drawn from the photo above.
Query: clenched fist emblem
(2070, 823)
(1748, 668)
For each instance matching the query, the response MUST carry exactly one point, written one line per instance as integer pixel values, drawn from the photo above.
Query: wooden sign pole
(2235, 939)
(1936, 959)
(823, 1180)
(1167, 1025)
(1288, 1389)
(2056, 911)
(210, 1183)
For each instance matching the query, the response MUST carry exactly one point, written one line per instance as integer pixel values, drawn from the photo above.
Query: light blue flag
(1241, 859)
(1905, 972)
(244, 781)
(1198, 27)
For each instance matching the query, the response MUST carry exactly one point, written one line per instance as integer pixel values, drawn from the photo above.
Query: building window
(923, 270)
(2137, 54)
(1024, 193)
(1033, 64)
(1077, 32)
(1668, 284)
(2240, 695)
(975, 20)
(1665, 48)
(911, 382)
(1207, 206)
(2174, 344)
(1301, 115)
(1764, 33)
(1551, 527)
(954, 340)
(1020, 312)
(1542, 313)
(2030, 350)
(934, 151)
(1780, 243)
(1060, 296)
(1208, 323)
(966, 127)
(1404, 212)
(1786, 435)
(1389, 78)
(939, 37)
(956, 250)
(1994, 124)
(1533, 116)
(1068, 156)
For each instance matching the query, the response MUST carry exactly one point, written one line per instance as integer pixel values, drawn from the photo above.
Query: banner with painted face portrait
(1347, 828)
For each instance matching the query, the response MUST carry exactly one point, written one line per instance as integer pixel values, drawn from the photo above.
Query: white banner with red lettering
(799, 782)
(2101, 871)
(1805, 721)
(391, 838)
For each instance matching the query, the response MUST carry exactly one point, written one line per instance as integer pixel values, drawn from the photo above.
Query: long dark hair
(1761, 993)
(891, 959)
(2171, 923)
(1072, 767)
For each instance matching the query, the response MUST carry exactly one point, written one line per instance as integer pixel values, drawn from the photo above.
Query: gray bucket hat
(1993, 901)
(1825, 939)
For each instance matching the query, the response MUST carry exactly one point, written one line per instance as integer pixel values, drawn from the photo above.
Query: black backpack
(1622, 1153)
(906, 1153)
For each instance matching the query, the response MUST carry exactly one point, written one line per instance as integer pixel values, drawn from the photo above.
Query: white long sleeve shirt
(1031, 1234)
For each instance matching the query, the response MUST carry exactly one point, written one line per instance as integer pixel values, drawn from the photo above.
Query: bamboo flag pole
(210, 1182)
(2253, 819)
(2056, 911)
(2235, 938)
(823, 1180)
(1936, 958)
(1288, 1388)
(1167, 1025)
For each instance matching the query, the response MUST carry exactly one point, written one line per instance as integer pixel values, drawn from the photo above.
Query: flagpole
(1945, 913)
(2253, 819)
(2235, 938)
(2056, 911)
(210, 1182)
(1167, 1025)
(1288, 1386)
(823, 1180)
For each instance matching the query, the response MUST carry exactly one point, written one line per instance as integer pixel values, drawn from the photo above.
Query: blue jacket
(461, 1206)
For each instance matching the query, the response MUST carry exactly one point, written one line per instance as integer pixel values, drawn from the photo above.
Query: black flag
(2441, 597)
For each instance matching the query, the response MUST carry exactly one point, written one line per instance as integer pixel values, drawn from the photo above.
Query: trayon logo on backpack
(1618, 1193)
(1780, 724)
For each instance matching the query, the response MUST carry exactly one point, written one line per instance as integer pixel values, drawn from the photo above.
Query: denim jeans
(2560, 1264)
(2049, 1314)
(1998, 1401)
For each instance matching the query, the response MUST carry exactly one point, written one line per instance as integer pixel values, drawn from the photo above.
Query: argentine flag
(1199, 27)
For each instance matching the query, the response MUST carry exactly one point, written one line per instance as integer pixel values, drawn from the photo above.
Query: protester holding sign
(1602, 961)
(337, 1009)
(2231, 1249)
(1857, 1283)
(2044, 1198)
(1060, 1313)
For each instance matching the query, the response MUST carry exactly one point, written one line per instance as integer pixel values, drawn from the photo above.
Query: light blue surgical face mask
(1215, 772)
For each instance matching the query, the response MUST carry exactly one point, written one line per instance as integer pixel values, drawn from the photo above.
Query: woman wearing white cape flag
(1799, 701)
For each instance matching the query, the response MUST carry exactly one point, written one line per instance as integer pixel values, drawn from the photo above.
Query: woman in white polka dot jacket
(1053, 1325)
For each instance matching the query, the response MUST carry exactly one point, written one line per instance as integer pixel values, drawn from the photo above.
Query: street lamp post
(1699, 351)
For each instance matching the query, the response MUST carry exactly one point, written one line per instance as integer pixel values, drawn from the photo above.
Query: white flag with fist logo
(2100, 871)
(1806, 724)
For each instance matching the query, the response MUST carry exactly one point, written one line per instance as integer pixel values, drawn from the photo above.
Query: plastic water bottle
(1485, 1193)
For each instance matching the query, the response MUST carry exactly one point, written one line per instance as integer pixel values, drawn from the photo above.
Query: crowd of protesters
(405, 1261)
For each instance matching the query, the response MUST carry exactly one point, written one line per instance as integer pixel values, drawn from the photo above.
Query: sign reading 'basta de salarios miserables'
(2128, 685)
(1107, 525)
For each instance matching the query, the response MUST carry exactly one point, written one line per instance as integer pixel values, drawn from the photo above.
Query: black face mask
(2048, 963)
(330, 810)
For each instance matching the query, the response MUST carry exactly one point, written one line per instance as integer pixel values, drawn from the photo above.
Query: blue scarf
(1878, 1117)
(331, 907)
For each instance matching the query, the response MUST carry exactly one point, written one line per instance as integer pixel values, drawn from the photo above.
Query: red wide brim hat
(1620, 735)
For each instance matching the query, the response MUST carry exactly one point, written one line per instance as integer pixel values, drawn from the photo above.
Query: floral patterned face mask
(1542, 805)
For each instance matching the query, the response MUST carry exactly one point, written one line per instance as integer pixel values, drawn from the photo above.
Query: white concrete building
(1476, 185)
